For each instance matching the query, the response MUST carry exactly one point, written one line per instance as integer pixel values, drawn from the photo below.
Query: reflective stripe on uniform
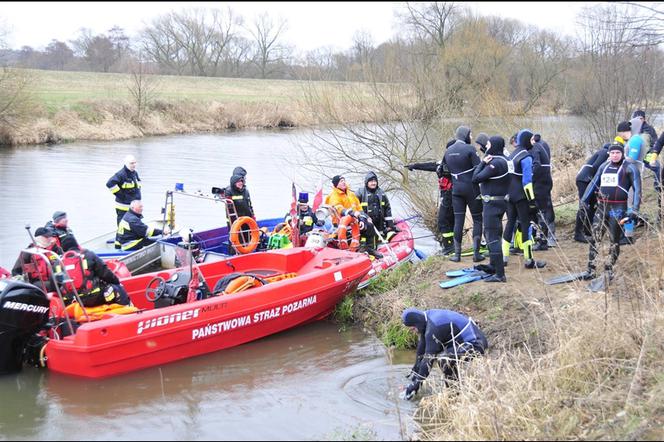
(122, 206)
(115, 189)
(237, 197)
(129, 185)
(131, 244)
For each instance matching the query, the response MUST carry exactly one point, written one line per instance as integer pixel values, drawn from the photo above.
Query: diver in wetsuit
(492, 174)
(521, 199)
(612, 182)
(461, 159)
(446, 336)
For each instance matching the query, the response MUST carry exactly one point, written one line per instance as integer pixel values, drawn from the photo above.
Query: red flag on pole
(318, 198)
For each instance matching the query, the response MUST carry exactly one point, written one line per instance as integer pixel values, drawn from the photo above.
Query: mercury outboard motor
(24, 311)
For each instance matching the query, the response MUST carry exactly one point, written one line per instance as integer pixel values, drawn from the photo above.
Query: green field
(59, 89)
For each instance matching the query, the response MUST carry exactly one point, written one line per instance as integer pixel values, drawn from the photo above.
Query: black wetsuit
(445, 216)
(585, 216)
(518, 201)
(494, 180)
(543, 185)
(443, 332)
(612, 183)
(461, 159)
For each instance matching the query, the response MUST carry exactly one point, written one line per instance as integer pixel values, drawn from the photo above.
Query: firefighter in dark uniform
(133, 233)
(126, 186)
(521, 199)
(543, 185)
(374, 203)
(461, 159)
(60, 227)
(492, 174)
(240, 196)
(97, 284)
(445, 210)
(612, 183)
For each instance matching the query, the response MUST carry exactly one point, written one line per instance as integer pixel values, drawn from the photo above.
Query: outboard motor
(24, 311)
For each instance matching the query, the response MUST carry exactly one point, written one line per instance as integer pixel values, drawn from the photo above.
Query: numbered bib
(609, 180)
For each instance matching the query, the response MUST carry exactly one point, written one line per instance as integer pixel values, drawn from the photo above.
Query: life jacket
(78, 269)
(36, 269)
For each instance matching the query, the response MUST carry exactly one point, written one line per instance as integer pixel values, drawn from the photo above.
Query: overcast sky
(310, 24)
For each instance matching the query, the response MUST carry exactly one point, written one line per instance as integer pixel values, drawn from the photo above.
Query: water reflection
(312, 382)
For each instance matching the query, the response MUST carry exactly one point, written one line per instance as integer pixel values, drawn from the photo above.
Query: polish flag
(318, 198)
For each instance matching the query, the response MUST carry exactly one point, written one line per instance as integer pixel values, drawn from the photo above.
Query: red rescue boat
(399, 249)
(287, 288)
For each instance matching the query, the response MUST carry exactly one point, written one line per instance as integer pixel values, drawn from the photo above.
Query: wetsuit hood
(463, 133)
(523, 138)
(234, 179)
(497, 146)
(413, 317)
(368, 177)
(239, 170)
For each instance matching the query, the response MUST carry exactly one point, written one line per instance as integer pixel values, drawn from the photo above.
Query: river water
(312, 382)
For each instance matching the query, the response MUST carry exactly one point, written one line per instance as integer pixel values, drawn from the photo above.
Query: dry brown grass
(564, 363)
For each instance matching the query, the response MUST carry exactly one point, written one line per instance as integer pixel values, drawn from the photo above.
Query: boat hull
(124, 343)
(399, 250)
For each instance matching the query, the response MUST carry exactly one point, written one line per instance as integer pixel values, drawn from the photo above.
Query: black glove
(411, 390)
(409, 167)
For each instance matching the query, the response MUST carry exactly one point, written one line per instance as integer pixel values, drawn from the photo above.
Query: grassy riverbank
(68, 106)
(563, 364)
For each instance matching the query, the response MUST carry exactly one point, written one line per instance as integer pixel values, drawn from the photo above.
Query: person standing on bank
(492, 174)
(586, 212)
(445, 215)
(612, 183)
(521, 198)
(461, 159)
(126, 186)
(543, 185)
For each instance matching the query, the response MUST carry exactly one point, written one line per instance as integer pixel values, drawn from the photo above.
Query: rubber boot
(447, 243)
(506, 252)
(457, 252)
(497, 263)
(530, 263)
(477, 256)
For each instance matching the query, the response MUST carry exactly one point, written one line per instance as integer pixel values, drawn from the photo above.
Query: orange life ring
(236, 228)
(242, 283)
(342, 233)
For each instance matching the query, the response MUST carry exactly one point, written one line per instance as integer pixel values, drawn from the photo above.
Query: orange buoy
(237, 228)
(342, 233)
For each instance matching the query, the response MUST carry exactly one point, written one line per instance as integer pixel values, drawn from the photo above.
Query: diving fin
(462, 272)
(600, 283)
(470, 277)
(569, 277)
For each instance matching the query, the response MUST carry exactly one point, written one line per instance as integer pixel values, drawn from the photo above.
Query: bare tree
(610, 80)
(58, 55)
(142, 87)
(196, 40)
(432, 22)
(270, 51)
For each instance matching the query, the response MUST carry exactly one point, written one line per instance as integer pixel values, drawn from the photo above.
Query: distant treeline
(457, 61)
